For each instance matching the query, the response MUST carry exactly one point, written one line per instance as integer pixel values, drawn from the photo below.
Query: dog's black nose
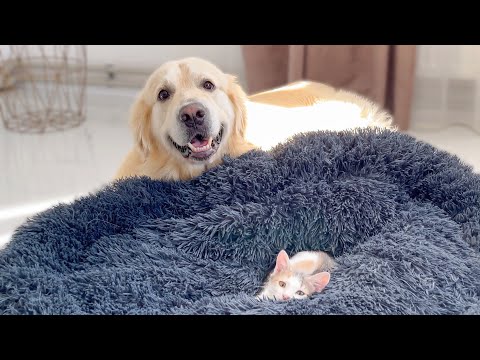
(193, 114)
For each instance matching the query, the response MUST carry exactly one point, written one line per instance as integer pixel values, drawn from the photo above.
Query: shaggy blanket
(401, 218)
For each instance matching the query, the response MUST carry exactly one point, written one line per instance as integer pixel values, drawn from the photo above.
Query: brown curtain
(383, 73)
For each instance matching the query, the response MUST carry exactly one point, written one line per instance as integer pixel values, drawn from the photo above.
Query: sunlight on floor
(5, 238)
(16, 215)
(29, 209)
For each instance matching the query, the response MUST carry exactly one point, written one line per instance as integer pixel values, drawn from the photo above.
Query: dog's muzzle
(200, 147)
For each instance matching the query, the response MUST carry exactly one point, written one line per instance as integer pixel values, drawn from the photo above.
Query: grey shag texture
(401, 217)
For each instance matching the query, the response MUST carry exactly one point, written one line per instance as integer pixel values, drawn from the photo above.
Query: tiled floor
(41, 170)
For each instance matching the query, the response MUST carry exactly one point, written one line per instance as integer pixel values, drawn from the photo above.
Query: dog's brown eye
(163, 95)
(208, 85)
(300, 293)
(281, 283)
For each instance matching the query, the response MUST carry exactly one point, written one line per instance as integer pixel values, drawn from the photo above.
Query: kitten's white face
(286, 285)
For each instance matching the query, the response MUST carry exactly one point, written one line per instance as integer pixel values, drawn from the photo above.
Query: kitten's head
(284, 284)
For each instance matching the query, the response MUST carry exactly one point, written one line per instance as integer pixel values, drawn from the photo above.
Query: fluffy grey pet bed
(401, 218)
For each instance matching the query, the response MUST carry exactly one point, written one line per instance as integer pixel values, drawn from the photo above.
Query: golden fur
(293, 107)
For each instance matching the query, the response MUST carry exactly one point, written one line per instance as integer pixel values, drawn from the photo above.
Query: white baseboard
(112, 76)
(97, 75)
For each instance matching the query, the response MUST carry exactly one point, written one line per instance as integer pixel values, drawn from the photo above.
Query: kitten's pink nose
(285, 297)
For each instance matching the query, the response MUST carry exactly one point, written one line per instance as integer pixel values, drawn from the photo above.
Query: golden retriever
(190, 114)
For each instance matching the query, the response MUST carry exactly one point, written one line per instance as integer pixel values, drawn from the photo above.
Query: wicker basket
(48, 92)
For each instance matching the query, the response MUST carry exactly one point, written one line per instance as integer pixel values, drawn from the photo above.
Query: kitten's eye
(208, 85)
(163, 95)
(281, 283)
(300, 293)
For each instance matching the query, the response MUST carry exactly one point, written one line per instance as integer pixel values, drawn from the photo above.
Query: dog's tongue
(198, 143)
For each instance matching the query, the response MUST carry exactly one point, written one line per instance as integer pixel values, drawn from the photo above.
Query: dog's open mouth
(200, 147)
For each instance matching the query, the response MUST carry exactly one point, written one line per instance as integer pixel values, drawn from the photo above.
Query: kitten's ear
(320, 280)
(282, 261)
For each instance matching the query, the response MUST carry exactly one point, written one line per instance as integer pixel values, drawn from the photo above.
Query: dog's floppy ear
(140, 114)
(238, 98)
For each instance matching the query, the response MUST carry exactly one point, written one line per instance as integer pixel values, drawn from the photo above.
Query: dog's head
(189, 109)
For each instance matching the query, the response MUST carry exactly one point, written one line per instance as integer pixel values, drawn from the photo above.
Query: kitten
(299, 277)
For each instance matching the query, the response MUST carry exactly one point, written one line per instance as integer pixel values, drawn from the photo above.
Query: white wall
(148, 57)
